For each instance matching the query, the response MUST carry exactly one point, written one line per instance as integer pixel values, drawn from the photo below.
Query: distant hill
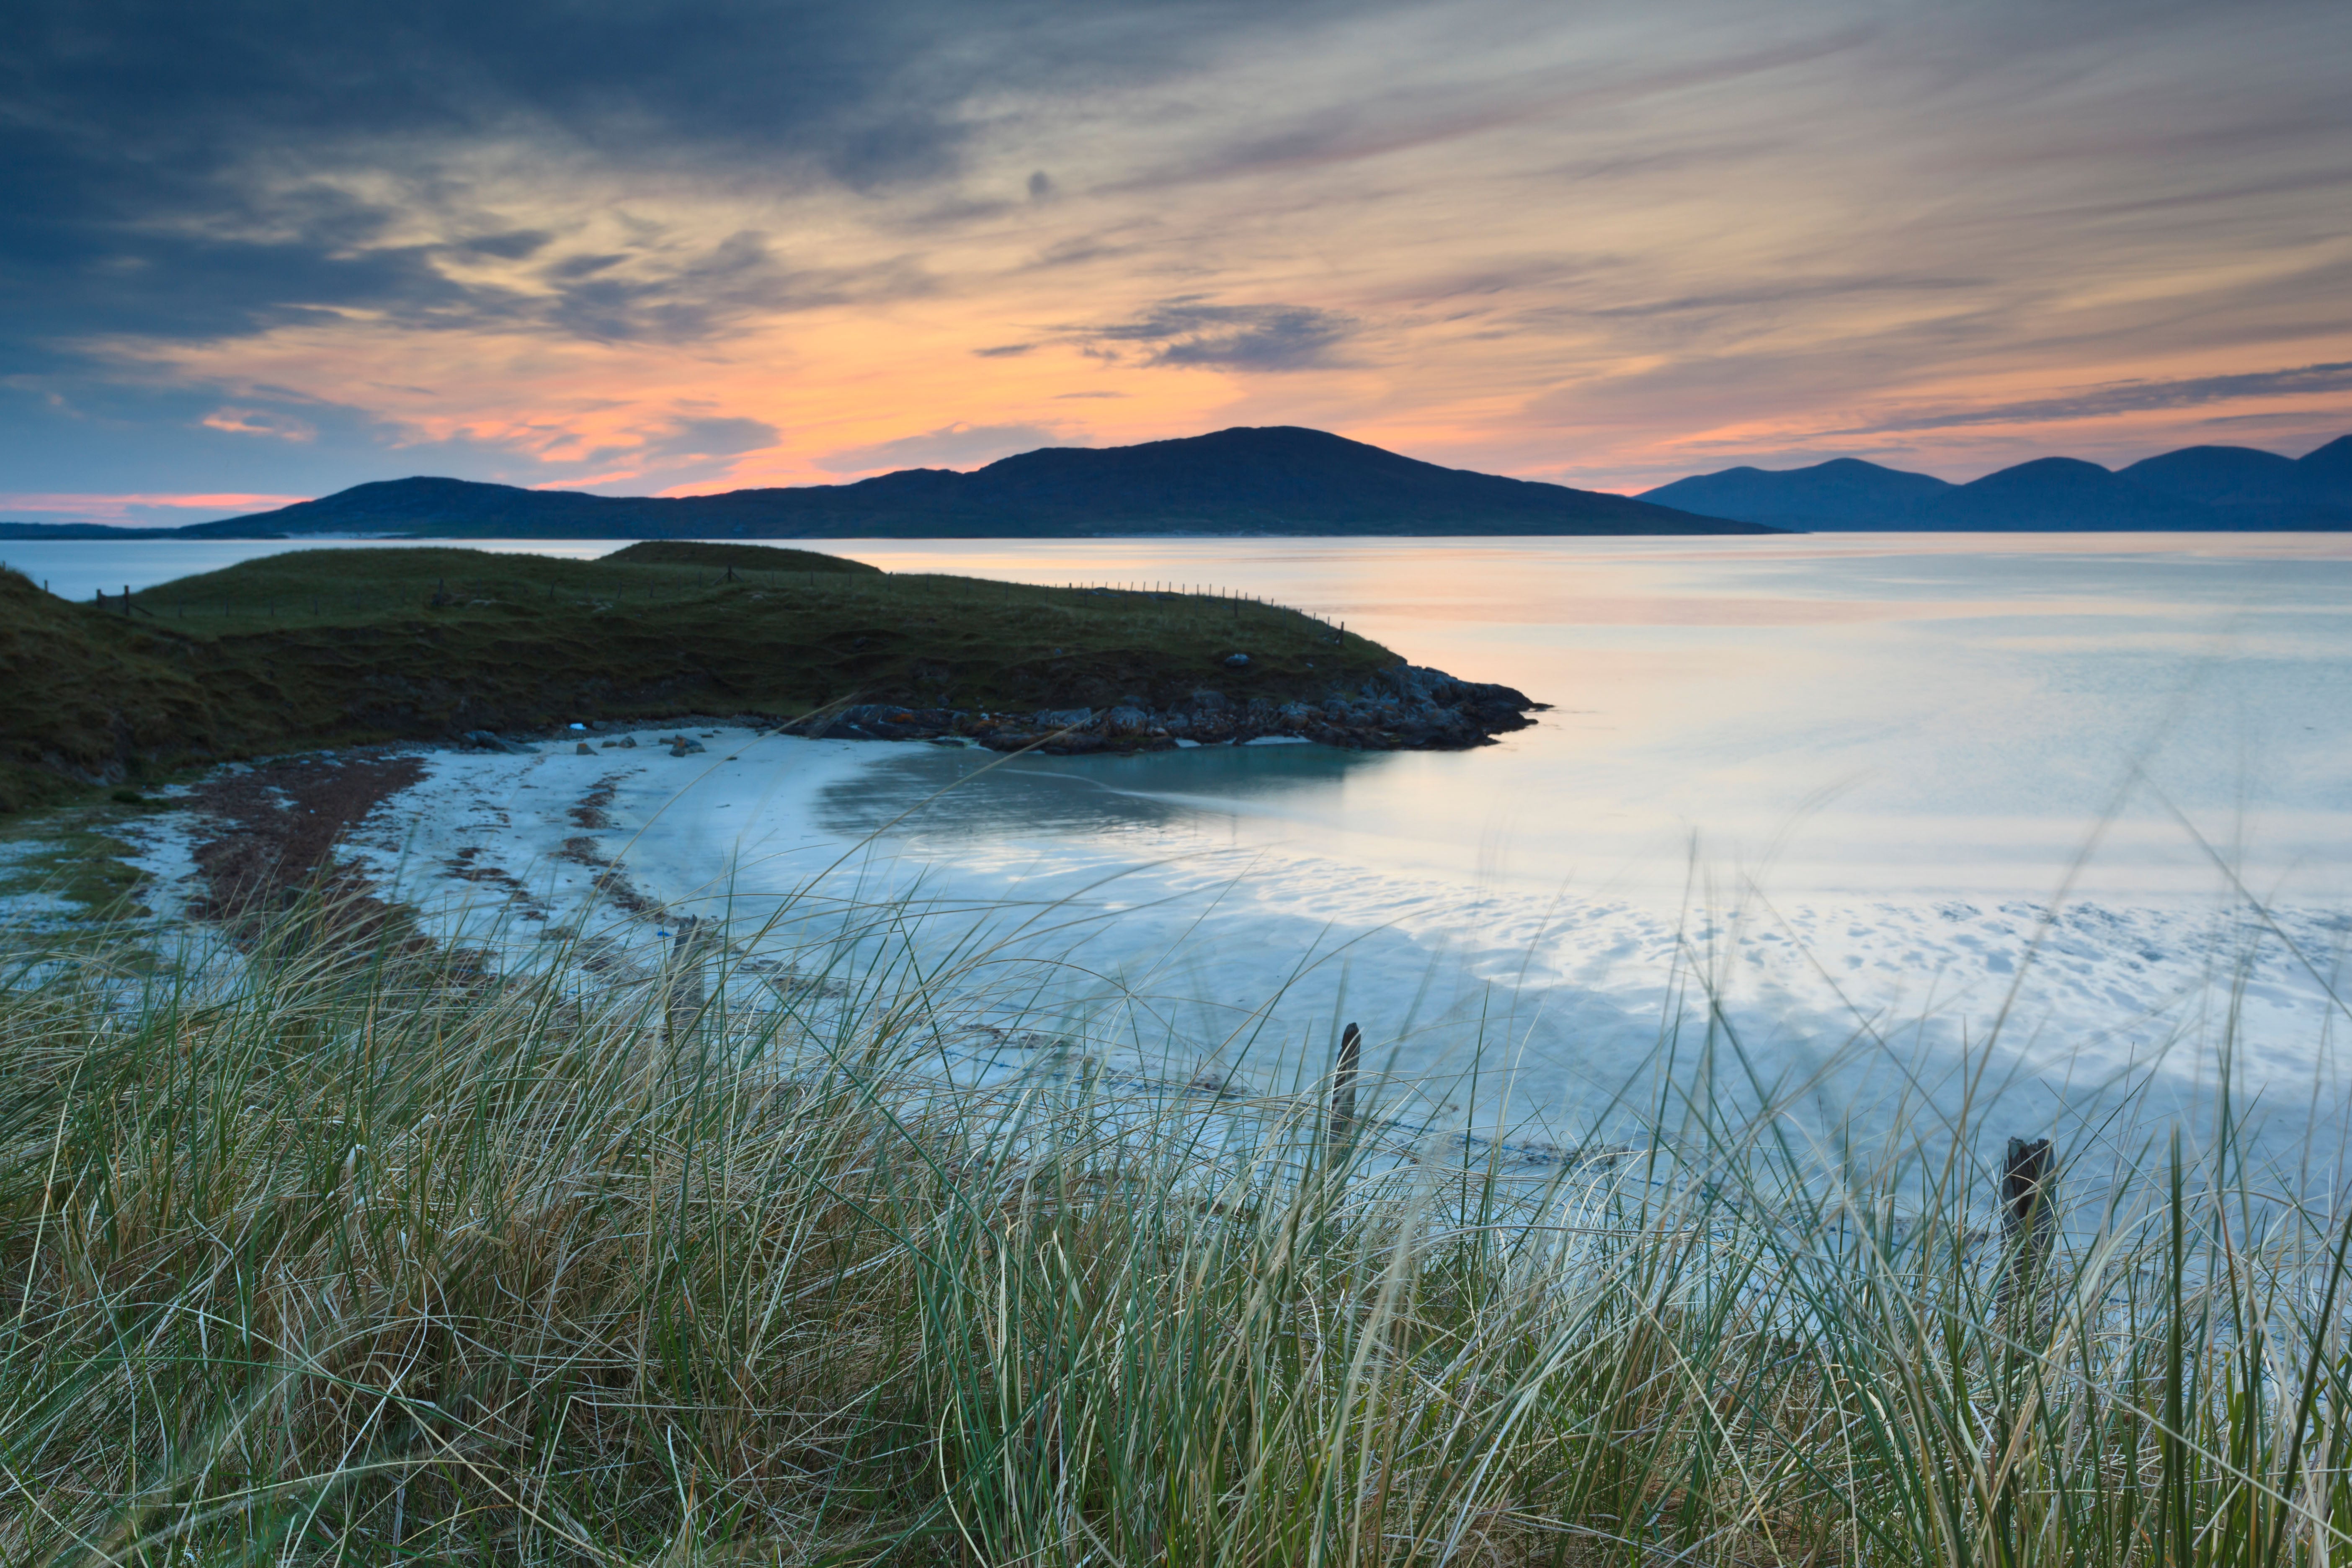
(1844, 492)
(69, 530)
(1272, 481)
(2232, 488)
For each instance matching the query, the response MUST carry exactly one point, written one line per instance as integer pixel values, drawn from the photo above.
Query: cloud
(1185, 331)
(2127, 397)
(613, 299)
(1573, 240)
(715, 437)
(190, 173)
(958, 445)
(261, 422)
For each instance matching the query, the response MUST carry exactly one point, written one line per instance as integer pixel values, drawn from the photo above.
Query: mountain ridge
(1248, 480)
(2222, 488)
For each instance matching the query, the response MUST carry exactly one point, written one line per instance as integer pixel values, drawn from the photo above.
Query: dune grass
(323, 1254)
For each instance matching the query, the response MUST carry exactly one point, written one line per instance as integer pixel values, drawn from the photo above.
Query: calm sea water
(1852, 780)
(1986, 714)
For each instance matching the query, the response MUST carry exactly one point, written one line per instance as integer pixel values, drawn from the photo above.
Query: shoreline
(1239, 957)
(1403, 708)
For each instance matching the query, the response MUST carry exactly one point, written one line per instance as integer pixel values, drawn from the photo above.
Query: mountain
(2330, 471)
(1270, 481)
(2056, 493)
(75, 531)
(1844, 492)
(2222, 476)
(2222, 488)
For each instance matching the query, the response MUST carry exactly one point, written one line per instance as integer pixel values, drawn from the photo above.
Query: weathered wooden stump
(2028, 1192)
(682, 980)
(1343, 1082)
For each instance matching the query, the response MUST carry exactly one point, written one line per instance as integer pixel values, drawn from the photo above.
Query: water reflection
(943, 793)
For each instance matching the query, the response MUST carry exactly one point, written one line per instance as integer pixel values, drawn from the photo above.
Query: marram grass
(310, 1256)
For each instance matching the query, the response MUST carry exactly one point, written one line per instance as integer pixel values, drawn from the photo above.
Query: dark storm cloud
(2130, 397)
(1250, 337)
(170, 170)
(687, 301)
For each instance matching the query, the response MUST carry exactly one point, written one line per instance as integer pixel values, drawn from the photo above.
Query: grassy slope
(356, 1263)
(84, 698)
(737, 557)
(328, 645)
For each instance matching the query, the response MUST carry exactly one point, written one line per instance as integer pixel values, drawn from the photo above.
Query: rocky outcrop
(1403, 708)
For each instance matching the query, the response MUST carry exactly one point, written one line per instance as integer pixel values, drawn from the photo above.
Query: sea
(2041, 835)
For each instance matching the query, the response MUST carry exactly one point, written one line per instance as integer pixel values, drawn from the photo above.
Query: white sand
(1865, 1011)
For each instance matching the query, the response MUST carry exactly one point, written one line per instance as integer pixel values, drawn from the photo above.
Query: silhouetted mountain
(81, 530)
(2222, 476)
(2225, 488)
(2330, 472)
(2058, 493)
(1844, 492)
(1274, 480)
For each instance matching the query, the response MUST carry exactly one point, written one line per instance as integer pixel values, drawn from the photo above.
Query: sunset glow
(1607, 247)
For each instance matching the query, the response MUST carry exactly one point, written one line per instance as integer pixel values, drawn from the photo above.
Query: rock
(585, 750)
(1236, 661)
(682, 746)
(491, 742)
(1403, 707)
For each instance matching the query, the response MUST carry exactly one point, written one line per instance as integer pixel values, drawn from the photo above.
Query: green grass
(328, 646)
(86, 701)
(765, 558)
(326, 1256)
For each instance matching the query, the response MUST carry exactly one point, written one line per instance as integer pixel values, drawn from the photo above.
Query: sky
(251, 252)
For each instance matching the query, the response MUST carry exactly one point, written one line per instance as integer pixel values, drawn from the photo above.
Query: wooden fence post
(1343, 1082)
(2029, 1190)
(682, 985)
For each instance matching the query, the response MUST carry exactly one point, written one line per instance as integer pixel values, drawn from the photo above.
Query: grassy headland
(335, 645)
